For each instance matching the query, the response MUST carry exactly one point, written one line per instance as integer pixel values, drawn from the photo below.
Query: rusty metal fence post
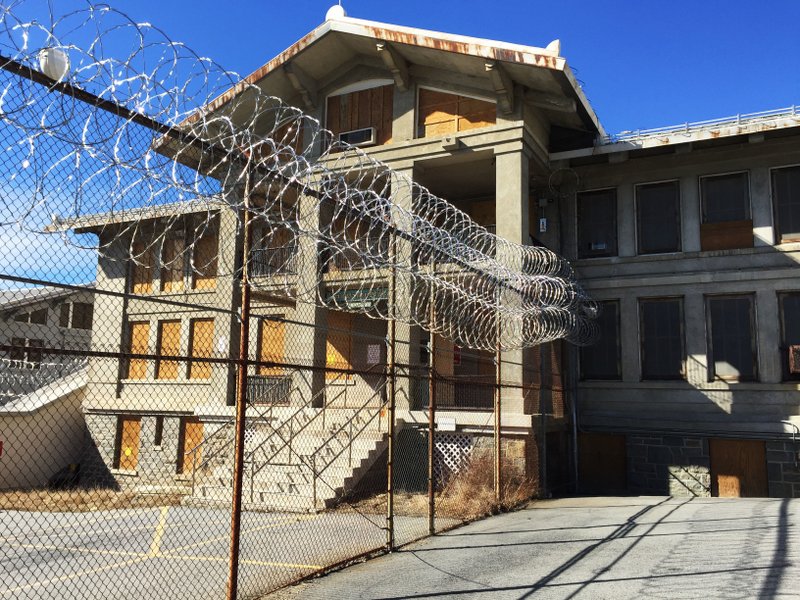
(241, 403)
(431, 430)
(498, 473)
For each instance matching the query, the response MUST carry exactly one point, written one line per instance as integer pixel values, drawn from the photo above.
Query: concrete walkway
(645, 547)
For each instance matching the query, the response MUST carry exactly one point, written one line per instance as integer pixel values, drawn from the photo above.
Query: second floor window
(601, 360)
(172, 256)
(731, 339)
(661, 329)
(658, 217)
(597, 223)
(169, 344)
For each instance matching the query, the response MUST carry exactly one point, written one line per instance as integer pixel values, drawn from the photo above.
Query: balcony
(266, 262)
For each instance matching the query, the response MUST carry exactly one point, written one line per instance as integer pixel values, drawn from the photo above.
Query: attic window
(597, 223)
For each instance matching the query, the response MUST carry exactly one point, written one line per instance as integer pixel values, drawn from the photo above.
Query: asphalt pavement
(592, 548)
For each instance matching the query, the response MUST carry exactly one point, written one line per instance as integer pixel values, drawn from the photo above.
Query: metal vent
(358, 137)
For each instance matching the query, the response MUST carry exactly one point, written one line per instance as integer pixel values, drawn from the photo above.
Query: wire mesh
(235, 350)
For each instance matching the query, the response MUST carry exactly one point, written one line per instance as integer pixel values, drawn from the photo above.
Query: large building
(685, 236)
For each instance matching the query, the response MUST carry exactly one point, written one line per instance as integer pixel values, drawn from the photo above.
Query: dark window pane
(658, 211)
(786, 195)
(63, 320)
(790, 330)
(17, 352)
(662, 339)
(601, 360)
(35, 351)
(597, 224)
(82, 315)
(732, 355)
(39, 317)
(725, 198)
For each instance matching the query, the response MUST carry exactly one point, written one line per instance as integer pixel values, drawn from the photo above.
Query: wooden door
(192, 438)
(738, 468)
(602, 463)
(129, 432)
(338, 345)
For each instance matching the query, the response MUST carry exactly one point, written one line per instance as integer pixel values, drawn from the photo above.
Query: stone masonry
(782, 469)
(668, 465)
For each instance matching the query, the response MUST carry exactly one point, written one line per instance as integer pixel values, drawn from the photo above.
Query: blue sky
(642, 63)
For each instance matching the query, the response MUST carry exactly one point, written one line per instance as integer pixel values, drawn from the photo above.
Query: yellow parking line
(38, 584)
(158, 535)
(75, 549)
(244, 532)
(259, 563)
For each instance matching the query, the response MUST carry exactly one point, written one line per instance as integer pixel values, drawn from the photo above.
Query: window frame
(778, 238)
(710, 355)
(749, 189)
(678, 216)
(582, 363)
(681, 375)
(167, 362)
(579, 252)
(783, 346)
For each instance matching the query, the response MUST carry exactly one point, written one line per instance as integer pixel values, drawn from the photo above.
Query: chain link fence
(203, 395)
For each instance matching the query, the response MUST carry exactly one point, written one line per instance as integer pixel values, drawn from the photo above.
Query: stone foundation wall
(784, 476)
(668, 465)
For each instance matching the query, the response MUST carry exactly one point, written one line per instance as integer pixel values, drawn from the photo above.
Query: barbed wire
(151, 147)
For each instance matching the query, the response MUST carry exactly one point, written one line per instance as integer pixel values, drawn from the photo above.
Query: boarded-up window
(204, 262)
(358, 110)
(662, 338)
(338, 346)
(139, 344)
(82, 314)
(201, 344)
(141, 269)
(441, 113)
(726, 212)
(658, 217)
(790, 331)
(597, 223)
(172, 265)
(786, 196)
(601, 360)
(169, 344)
(128, 434)
(271, 340)
(731, 343)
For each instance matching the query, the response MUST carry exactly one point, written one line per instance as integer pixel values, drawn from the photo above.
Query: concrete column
(626, 220)
(761, 207)
(690, 214)
(305, 340)
(511, 215)
(694, 316)
(629, 338)
(404, 122)
(767, 330)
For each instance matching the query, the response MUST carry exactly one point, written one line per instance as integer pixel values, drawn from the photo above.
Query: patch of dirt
(83, 500)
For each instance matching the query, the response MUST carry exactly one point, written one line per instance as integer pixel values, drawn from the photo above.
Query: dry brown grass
(82, 500)
(467, 496)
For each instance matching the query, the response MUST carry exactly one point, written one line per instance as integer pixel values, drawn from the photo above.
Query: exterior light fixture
(54, 62)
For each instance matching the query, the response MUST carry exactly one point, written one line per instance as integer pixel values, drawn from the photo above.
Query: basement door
(738, 468)
(192, 438)
(129, 432)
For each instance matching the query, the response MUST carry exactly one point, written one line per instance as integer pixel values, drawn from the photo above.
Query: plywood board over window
(204, 262)
(201, 344)
(365, 108)
(138, 344)
(339, 344)
(271, 340)
(191, 453)
(172, 265)
(441, 113)
(141, 268)
(169, 344)
(738, 468)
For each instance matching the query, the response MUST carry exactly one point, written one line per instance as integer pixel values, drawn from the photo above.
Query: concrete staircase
(300, 459)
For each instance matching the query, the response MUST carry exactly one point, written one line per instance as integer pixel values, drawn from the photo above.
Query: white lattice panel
(451, 452)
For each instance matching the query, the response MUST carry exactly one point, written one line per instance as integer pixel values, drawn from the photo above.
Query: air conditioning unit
(358, 137)
(794, 359)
